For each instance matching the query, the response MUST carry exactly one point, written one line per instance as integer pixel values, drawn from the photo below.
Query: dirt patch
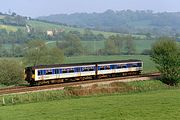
(98, 89)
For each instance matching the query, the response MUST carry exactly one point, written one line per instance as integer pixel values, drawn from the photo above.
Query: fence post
(3, 101)
(12, 100)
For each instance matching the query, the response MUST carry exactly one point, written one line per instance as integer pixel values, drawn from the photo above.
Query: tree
(37, 54)
(166, 55)
(129, 45)
(11, 72)
(110, 46)
(52, 56)
(71, 45)
(113, 45)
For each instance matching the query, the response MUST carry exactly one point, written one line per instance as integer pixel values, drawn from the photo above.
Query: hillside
(41, 26)
(125, 21)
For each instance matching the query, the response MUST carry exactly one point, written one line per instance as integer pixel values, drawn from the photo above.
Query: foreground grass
(157, 105)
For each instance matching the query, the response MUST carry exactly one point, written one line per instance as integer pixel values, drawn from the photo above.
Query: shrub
(11, 72)
(166, 55)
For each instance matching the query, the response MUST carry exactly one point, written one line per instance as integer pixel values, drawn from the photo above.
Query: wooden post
(3, 101)
(12, 100)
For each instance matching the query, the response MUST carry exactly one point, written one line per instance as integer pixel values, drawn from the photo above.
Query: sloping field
(8, 27)
(156, 105)
(43, 26)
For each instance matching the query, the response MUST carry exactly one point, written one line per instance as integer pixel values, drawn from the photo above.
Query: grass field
(154, 105)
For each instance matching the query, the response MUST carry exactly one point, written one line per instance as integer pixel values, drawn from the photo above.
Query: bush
(166, 55)
(11, 72)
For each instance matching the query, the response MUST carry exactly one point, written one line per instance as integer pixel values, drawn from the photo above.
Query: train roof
(82, 64)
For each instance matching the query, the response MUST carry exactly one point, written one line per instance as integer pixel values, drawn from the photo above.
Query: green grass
(154, 105)
(77, 91)
(141, 45)
(149, 65)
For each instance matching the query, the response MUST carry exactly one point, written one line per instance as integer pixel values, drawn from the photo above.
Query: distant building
(50, 32)
(28, 28)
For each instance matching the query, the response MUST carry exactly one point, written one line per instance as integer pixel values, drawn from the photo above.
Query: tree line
(14, 44)
(125, 21)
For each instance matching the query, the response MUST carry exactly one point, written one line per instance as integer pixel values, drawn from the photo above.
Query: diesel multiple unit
(71, 72)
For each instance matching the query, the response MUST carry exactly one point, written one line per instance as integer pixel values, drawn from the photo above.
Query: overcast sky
(34, 8)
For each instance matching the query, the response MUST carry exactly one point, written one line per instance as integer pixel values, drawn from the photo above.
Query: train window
(71, 70)
(85, 69)
(134, 65)
(48, 72)
(56, 71)
(113, 66)
(77, 69)
(64, 71)
(107, 67)
(39, 72)
(91, 68)
(129, 65)
(124, 66)
(139, 64)
(102, 68)
(119, 66)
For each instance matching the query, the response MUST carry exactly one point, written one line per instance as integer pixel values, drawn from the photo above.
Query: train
(59, 73)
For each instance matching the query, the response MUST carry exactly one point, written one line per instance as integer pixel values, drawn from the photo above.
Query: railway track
(25, 89)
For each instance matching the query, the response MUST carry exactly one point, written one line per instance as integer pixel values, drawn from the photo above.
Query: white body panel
(100, 72)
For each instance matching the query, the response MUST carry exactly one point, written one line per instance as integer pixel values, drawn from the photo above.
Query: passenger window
(108, 67)
(113, 66)
(134, 65)
(119, 66)
(139, 64)
(102, 68)
(78, 69)
(39, 72)
(91, 69)
(124, 66)
(57, 71)
(71, 70)
(48, 72)
(85, 69)
(64, 71)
